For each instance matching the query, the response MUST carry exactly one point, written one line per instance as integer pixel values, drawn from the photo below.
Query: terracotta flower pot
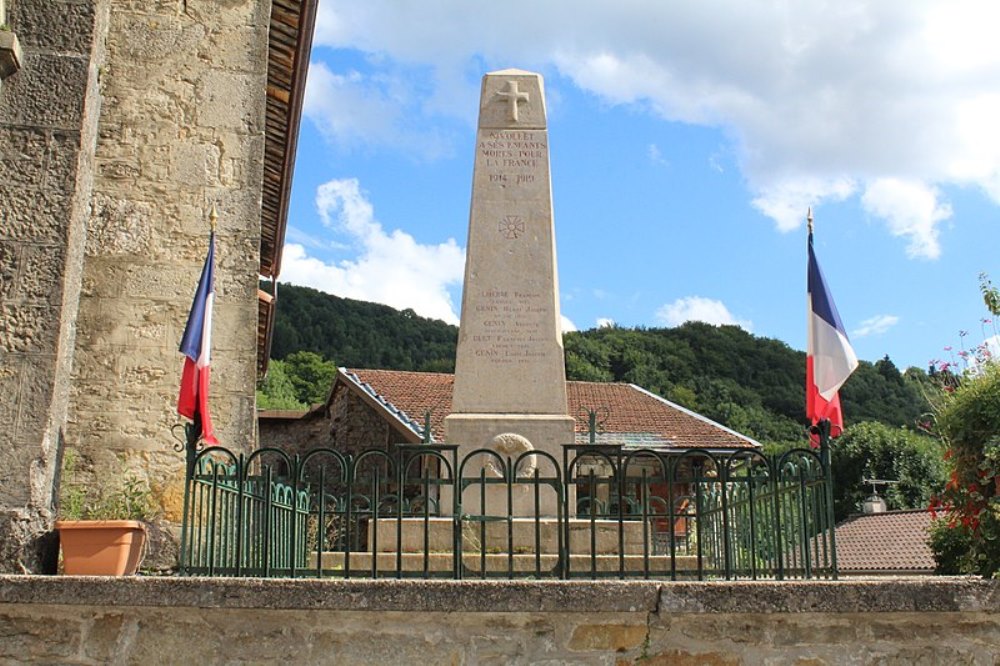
(101, 547)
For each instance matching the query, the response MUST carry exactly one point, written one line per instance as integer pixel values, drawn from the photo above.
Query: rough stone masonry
(126, 121)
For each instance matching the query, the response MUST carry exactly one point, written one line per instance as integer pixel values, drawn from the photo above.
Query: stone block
(61, 162)
(10, 383)
(22, 157)
(28, 640)
(102, 634)
(27, 328)
(118, 226)
(229, 100)
(31, 215)
(49, 91)
(194, 164)
(10, 260)
(15, 473)
(41, 273)
(51, 25)
(154, 281)
(692, 658)
(34, 395)
(614, 637)
(158, 41)
(234, 49)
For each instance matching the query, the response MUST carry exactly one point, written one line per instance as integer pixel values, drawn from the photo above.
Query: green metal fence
(424, 511)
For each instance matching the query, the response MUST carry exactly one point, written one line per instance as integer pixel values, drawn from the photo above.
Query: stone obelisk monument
(510, 378)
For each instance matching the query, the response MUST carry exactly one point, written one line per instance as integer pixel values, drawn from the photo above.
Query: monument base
(530, 546)
(526, 535)
(544, 433)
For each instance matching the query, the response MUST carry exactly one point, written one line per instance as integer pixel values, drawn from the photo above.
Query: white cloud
(697, 308)
(787, 201)
(567, 324)
(821, 100)
(911, 209)
(354, 109)
(390, 268)
(876, 325)
(604, 322)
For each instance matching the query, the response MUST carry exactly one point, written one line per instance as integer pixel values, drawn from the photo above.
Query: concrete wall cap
(941, 594)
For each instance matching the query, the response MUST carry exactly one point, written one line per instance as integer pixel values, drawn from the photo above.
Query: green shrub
(969, 422)
(116, 498)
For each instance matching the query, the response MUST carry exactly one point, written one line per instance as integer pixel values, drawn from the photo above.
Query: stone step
(601, 535)
(361, 563)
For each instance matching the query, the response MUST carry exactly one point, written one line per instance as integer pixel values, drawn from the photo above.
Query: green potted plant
(102, 527)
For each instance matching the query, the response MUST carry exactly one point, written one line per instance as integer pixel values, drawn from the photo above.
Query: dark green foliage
(952, 548)
(357, 334)
(310, 375)
(969, 421)
(751, 384)
(277, 390)
(875, 450)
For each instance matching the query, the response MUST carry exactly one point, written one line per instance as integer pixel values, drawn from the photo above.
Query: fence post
(827, 459)
(191, 432)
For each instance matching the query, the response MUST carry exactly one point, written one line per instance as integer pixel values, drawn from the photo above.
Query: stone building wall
(349, 425)
(356, 426)
(294, 433)
(177, 620)
(126, 122)
(181, 128)
(48, 127)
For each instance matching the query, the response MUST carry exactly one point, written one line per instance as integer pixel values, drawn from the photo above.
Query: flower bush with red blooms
(966, 535)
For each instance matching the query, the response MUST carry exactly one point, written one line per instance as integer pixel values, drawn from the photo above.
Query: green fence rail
(423, 511)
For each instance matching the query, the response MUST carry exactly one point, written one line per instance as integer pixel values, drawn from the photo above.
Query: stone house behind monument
(121, 124)
(378, 409)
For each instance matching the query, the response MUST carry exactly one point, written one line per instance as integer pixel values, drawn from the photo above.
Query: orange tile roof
(627, 414)
(890, 542)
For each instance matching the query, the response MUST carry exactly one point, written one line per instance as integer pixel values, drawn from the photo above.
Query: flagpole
(823, 428)
(193, 432)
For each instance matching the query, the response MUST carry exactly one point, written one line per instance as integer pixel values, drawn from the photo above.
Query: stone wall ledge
(939, 594)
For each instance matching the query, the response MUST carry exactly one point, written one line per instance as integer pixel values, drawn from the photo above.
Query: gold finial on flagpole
(809, 219)
(213, 218)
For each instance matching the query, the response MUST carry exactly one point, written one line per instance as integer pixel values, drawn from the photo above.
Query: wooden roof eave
(291, 33)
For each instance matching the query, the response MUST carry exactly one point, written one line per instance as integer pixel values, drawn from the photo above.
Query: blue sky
(687, 141)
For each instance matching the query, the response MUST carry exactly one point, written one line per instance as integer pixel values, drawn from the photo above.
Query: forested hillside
(359, 334)
(752, 384)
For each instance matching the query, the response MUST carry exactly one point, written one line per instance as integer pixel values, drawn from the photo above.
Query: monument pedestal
(543, 433)
(415, 545)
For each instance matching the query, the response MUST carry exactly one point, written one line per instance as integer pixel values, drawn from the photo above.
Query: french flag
(196, 345)
(830, 359)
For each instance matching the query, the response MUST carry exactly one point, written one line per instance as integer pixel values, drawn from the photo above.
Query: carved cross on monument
(513, 96)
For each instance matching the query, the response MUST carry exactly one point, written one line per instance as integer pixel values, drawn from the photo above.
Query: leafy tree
(302, 379)
(277, 391)
(360, 334)
(876, 450)
(310, 375)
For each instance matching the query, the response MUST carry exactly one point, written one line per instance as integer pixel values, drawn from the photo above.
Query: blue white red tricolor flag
(196, 345)
(830, 359)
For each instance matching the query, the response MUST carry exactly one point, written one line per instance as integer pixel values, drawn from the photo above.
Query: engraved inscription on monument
(510, 380)
(510, 356)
